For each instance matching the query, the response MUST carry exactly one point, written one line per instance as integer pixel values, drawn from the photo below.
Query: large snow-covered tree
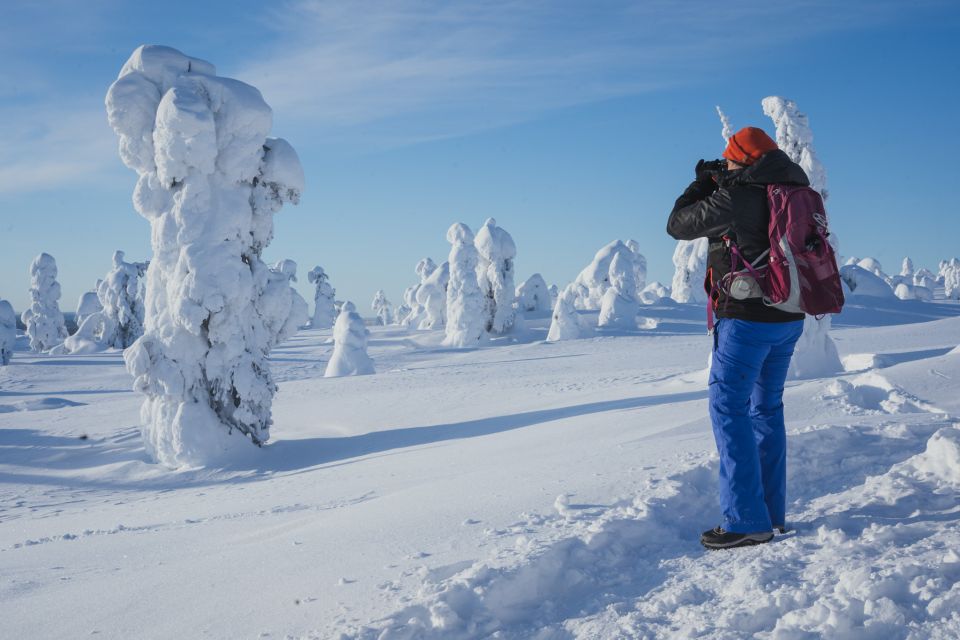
(690, 269)
(594, 279)
(416, 312)
(466, 311)
(210, 181)
(324, 307)
(43, 318)
(432, 298)
(349, 345)
(286, 310)
(496, 251)
(8, 331)
(618, 309)
(815, 354)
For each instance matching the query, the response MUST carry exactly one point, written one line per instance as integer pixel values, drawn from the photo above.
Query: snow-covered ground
(521, 490)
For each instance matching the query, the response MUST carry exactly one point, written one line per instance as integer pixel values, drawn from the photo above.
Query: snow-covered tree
(690, 269)
(496, 251)
(554, 294)
(907, 268)
(349, 345)
(925, 278)
(8, 331)
(466, 311)
(533, 295)
(654, 292)
(432, 298)
(286, 309)
(566, 323)
(594, 280)
(727, 130)
(382, 308)
(950, 272)
(416, 313)
(210, 181)
(88, 304)
(795, 138)
(121, 295)
(324, 310)
(639, 266)
(43, 319)
(815, 354)
(618, 309)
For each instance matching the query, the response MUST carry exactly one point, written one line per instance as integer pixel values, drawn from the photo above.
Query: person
(752, 342)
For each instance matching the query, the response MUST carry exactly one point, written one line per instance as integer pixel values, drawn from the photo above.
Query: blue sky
(571, 123)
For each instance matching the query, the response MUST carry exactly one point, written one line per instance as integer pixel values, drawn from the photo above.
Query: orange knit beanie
(747, 145)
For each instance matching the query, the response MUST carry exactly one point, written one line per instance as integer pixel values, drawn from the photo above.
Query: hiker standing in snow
(752, 341)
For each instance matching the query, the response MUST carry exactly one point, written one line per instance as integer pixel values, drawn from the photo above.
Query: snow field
(523, 490)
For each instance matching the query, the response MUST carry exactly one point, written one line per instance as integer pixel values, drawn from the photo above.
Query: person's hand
(706, 171)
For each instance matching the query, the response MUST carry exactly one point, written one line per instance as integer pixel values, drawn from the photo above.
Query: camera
(715, 167)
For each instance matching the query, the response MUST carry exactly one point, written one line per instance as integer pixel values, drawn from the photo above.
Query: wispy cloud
(49, 147)
(392, 72)
(403, 70)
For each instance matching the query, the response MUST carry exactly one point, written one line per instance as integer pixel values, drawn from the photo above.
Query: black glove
(707, 171)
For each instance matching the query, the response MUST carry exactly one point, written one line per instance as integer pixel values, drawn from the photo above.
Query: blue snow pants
(750, 363)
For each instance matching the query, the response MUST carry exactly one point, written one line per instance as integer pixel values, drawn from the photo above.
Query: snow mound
(865, 283)
(872, 393)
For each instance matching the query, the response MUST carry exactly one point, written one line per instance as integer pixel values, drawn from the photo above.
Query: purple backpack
(800, 274)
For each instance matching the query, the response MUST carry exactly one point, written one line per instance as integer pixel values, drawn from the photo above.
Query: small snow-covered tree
(925, 278)
(950, 272)
(88, 304)
(907, 268)
(690, 269)
(382, 308)
(496, 251)
(121, 295)
(432, 298)
(533, 295)
(210, 181)
(815, 353)
(554, 294)
(349, 345)
(8, 331)
(566, 324)
(416, 312)
(43, 319)
(324, 310)
(466, 312)
(618, 309)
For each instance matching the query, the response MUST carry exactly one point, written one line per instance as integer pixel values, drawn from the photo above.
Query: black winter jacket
(736, 208)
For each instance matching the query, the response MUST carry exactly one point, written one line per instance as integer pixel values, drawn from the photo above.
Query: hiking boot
(719, 539)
